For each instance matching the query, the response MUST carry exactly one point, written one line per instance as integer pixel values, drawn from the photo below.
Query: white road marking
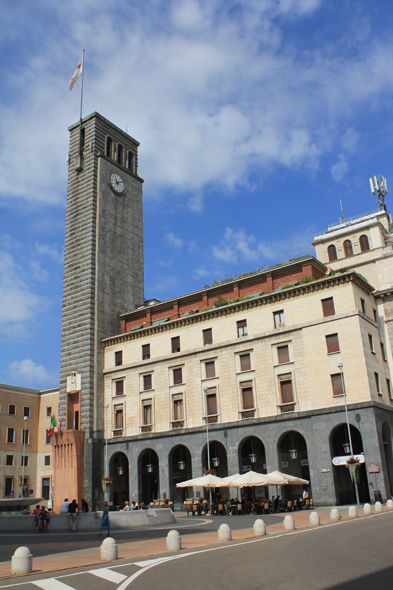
(108, 574)
(51, 584)
(151, 561)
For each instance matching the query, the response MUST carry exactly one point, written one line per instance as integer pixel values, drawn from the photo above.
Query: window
(279, 320)
(210, 369)
(286, 391)
(176, 344)
(9, 460)
(11, 409)
(119, 387)
(388, 387)
(118, 417)
(332, 343)
(47, 438)
(364, 245)
(49, 411)
(383, 351)
(146, 382)
(178, 408)
(147, 414)
(10, 435)
(45, 488)
(337, 383)
(26, 461)
(376, 377)
(283, 354)
(145, 352)
(363, 305)
(371, 344)
(241, 328)
(348, 248)
(25, 437)
(177, 376)
(375, 315)
(247, 396)
(108, 147)
(245, 362)
(47, 460)
(332, 253)
(207, 336)
(120, 154)
(130, 161)
(328, 307)
(26, 411)
(211, 403)
(9, 486)
(118, 358)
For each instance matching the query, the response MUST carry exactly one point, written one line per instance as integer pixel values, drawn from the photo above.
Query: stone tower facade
(103, 277)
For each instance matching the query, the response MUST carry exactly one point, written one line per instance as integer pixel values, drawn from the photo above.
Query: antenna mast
(380, 188)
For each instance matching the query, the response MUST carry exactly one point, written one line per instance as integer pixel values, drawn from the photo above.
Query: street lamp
(340, 365)
(106, 443)
(207, 428)
(24, 453)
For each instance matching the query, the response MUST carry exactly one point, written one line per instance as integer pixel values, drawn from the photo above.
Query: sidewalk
(139, 550)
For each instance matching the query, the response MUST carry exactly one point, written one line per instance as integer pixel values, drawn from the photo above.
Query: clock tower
(103, 277)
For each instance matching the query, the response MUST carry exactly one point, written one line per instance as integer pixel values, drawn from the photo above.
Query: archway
(252, 456)
(344, 487)
(218, 465)
(119, 474)
(149, 476)
(293, 459)
(180, 469)
(387, 445)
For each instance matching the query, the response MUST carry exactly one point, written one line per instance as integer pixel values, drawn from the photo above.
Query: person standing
(73, 510)
(105, 523)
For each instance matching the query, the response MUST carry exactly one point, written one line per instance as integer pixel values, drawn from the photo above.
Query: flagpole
(80, 120)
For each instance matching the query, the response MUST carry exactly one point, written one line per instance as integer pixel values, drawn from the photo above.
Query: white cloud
(173, 240)
(27, 372)
(39, 274)
(50, 251)
(340, 168)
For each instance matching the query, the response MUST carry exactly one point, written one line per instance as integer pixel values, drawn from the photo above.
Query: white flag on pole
(77, 73)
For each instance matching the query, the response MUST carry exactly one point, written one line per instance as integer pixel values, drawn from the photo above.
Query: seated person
(126, 507)
(43, 519)
(134, 506)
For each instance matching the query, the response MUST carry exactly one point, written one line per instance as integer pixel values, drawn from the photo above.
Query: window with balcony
(328, 307)
(247, 400)
(118, 358)
(348, 251)
(337, 383)
(332, 253)
(207, 336)
(211, 405)
(147, 415)
(332, 343)
(210, 369)
(147, 382)
(178, 411)
(118, 419)
(283, 354)
(241, 328)
(279, 319)
(286, 394)
(145, 352)
(245, 362)
(177, 376)
(176, 344)
(119, 387)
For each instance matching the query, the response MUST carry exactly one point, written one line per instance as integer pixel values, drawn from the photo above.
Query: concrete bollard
(314, 519)
(108, 549)
(259, 528)
(367, 509)
(334, 515)
(389, 504)
(378, 507)
(352, 512)
(289, 523)
(173, 541)
(21, 561)
(224, 533)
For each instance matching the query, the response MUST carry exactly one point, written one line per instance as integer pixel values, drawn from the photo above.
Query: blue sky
(255, 118)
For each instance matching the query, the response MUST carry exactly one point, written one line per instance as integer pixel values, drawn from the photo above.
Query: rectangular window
(375, 315)
(211, 404)
(49, 411)
(118, 417)
(328, 307)
(147, 414)
(45, 488)
(177, 376)
(247, 397)
(11, 409)
(118, 358)
(47, 460)
(26, 411)
(283, 354)
(383, 351)
(178, 408)
(47, 438)
(245, 362)
(370, 342)
(119, 387)
(25, 436)
(363, 305)
(332, 343)
(388, 387)
(10, 435)
(210, 369)
(146, 382)
(9, 460)
(176, 344)
(286, 391)
(279, 319)
(9, 486)
(376, 377)
(337, 383)
(145, 352)
(26, 461)
(207, 336)
(241, 328)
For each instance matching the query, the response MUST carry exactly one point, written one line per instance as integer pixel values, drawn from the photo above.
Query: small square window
(241, 328)
(49, 411)
(177, 376)
(11, 409)
(9, 460)
(332, 343)
(207, 336)
(119, 387)
(328, 307)
(118, 358)
(210, 369)
(145, 352)
(245, 362)
(283, 354)
(26, 411)
(279, 319)
(47, 460)
(146, 382)
(176, 344)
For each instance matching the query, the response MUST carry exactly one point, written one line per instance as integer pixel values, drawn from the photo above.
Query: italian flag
(53, 423)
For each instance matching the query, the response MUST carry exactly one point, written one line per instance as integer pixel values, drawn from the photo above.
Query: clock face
(116, 183)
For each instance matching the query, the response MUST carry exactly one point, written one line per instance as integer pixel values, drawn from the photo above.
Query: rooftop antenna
(297, 248)
(379, 187)
(342, 218)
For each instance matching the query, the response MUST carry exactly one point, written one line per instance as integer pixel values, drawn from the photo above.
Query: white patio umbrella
(227, 481)
(278, 478)
(250, 479)
(205, 481)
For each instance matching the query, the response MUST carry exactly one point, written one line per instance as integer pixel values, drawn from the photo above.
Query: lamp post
(207, 442)
(341, 366)
(24, 453)
(106, 446)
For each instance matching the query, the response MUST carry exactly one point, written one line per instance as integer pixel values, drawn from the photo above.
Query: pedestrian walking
(73, 510)
(105, 523)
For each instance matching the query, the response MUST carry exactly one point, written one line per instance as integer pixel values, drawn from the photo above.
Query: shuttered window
(177, 376)
(337, 383)
(207, 336)
(211, 403)
(247, 397)
(332, 343)
(283, 354)
(241, 328)
(364, 245)
(348, 248)
(328, 307)
(147, 382)
(210, 370)
(119, 387)
(176, 344)
(145, 352)
(286, 391)
(147, 414)
(332, 253)
(245, 362)
(118, 358)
